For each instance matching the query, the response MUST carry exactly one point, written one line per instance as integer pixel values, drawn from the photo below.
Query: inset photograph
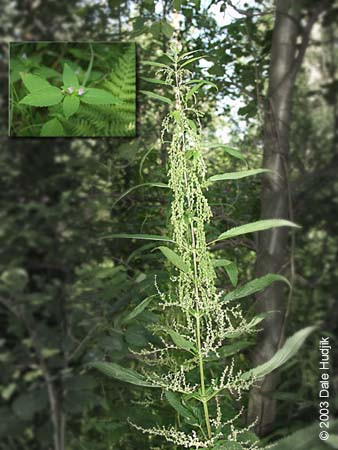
(81, 89)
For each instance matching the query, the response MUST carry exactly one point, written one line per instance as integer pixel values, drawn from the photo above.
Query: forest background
(63, 287)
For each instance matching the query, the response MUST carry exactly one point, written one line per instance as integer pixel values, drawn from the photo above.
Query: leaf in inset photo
(69, 77)
(44, 97)
(70, 104)
(33, 82)
(94, 96)
(52, 128)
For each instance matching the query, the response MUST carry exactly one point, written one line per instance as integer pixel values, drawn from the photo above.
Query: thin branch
(306, 33)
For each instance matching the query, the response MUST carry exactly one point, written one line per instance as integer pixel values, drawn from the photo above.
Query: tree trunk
(272, 244)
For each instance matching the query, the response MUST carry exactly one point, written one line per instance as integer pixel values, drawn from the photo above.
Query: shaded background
(63, 287)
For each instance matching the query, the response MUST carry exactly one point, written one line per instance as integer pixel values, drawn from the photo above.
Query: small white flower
(70, 90)
(81, 91)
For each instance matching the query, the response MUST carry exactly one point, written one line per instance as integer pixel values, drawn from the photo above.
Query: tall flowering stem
(197, 320)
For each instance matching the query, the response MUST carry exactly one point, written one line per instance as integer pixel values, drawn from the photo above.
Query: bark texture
(272, 255)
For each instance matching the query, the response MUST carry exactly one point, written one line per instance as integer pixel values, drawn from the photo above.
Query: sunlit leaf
(174, 258)
(44, 97)
(252, 227)
(94, 96)
(289, 349)
(69, 77)
(33, 82)
(255, 286)
(237, 175)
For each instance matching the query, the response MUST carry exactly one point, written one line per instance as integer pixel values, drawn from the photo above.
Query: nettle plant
(42, 94)
(200, 327)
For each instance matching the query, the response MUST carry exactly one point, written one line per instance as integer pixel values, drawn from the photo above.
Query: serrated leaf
(154, 81)
(230, 268)
(305, 439)
(154, 184)
(147, 237)
(157, 97)
(231, 151)
(44, 97)
(253, 322)
(255, 286)
(70, 105)
(197, 86)
(52, 128)
(167, 29)
(94, 96)
(69, 77)
(252, 227)
(237, 175)
(180, 341)
(191, 60)
(118, 372)
(138, 309)
(289, 349)
(174, 258)
(33, 82)
(228, 445)
(175, 401)
(155, 64)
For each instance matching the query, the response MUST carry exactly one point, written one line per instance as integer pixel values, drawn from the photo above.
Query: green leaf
(175, 401)
(289, 349)
(180, 341)
(230, 268)
(167, 29)
(177, 4)
(155, 64)
(191, 60)
(237, 175)
(138, 309)
(26, 405)
(228, 445)
(33, 82)
(157, 97)
(113, 370)
(52, 128)
(194, 89)
(230, 349)
(70, 105)
(174, 258)
(69, 77)
(147, 237)
(94, 96)
(252, 227)
(154, 81)
(255, 286)
(253, 322)
(154, 184)
(231, 151)
(305, 439)
(44, 97)
(197, 86)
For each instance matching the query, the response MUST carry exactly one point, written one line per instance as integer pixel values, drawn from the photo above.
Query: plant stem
(198, 339)
(198, 317)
